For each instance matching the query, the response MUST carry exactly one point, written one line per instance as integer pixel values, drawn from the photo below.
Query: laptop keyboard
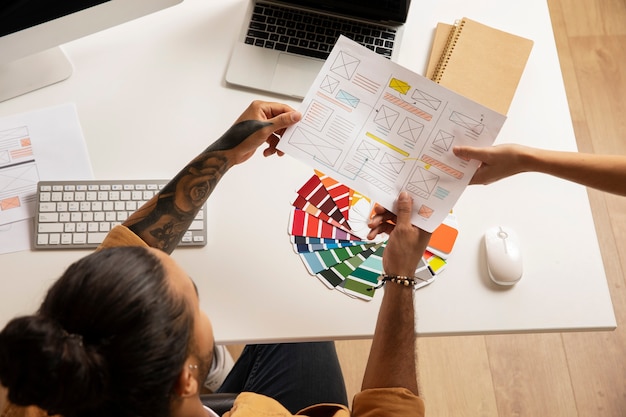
(79, 214)
(308, 33)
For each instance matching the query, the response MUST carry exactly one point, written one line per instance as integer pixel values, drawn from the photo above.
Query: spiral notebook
(480, 62)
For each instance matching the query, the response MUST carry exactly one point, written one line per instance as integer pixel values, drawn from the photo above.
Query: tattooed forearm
(237, 134)
(163, 221)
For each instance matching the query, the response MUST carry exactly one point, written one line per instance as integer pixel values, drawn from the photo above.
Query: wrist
(406, 281)
(402, 280)
(530, 159)
(404, 270)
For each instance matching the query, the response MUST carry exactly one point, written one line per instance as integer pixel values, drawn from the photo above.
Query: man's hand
(383, 221)
(406, 243)
(274, 118)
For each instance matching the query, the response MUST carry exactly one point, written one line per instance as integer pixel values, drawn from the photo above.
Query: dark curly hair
(109, 339)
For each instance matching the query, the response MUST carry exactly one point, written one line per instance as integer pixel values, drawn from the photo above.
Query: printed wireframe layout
(381, 128)
(18, 174)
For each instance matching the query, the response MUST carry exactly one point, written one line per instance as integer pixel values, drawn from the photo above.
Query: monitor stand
(33, 72)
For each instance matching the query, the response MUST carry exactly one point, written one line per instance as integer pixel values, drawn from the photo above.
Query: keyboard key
(42, 239)
(95, 238)
(79, 238)
(196, 225)
(50, 227)
(48, 217)
(43, 207)
(383, 51)
(308, 52)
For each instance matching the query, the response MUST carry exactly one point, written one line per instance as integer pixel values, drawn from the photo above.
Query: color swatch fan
(328, 230)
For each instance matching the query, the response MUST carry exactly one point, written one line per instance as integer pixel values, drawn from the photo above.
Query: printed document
(43, 144)
(380, 128)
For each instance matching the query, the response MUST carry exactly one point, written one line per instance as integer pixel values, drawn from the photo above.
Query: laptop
(284, 43)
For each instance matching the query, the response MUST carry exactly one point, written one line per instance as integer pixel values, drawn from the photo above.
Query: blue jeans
(295, 374)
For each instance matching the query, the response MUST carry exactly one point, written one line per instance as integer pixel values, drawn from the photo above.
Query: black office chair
(219, 402)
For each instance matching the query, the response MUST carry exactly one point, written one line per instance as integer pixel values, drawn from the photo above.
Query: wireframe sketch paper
(37, 145)
(380, 128)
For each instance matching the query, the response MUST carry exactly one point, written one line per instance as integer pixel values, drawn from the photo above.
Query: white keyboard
(79, 214)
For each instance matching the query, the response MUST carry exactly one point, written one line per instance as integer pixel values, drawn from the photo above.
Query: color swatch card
(328, 230)
(380, 128)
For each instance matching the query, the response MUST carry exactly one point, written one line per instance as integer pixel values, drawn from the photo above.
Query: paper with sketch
(44, 144)
(380, 128)
(16, 236)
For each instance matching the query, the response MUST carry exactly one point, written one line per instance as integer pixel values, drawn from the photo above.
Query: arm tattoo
(163, 221)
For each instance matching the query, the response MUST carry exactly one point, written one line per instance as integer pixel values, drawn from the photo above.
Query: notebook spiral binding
(455, 32)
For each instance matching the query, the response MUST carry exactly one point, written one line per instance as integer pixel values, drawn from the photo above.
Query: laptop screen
(378, 10)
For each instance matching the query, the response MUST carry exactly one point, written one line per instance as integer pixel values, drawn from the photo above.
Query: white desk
(154, 87)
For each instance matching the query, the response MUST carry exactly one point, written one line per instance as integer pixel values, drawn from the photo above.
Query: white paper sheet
(16, 236)
(380, 128)
(45, 144)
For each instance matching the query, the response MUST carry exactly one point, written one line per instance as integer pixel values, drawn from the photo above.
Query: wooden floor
(547, 375)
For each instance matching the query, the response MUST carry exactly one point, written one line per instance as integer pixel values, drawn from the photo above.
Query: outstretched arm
(163, 220)
(602, 172)
(392, 360)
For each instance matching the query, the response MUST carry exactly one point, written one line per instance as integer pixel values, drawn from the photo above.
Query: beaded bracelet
(396, 279)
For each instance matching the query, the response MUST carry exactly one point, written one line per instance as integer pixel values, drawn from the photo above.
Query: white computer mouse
(504, 255)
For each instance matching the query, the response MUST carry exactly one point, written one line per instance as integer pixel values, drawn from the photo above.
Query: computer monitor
(31, 32)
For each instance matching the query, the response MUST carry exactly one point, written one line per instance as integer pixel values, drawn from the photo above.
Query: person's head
(119, 334)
